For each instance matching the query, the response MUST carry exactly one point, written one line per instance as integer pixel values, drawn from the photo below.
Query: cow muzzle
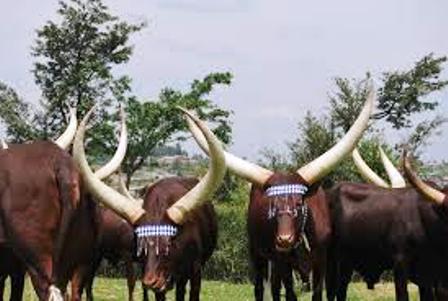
(158, 283)
(284, 242)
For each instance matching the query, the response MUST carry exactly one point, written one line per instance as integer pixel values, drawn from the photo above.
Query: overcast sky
(284, 54)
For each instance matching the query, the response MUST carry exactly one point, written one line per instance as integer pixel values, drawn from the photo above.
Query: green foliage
(153, 124)
(318, 135)
(400, 97)
(421, 134)
(347, 102)
(230, 261)
(75, 60)
(402, 92)
(15, 113)
(274, 160)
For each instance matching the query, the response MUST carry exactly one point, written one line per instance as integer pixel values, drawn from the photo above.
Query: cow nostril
(149, 282)
(286, 238)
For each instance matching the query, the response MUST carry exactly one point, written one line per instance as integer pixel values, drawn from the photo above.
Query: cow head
(157, 233)
(286, 196)
(287, 209)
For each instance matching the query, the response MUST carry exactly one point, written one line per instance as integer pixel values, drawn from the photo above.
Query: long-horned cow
(40, 206)
(431, 265)
(47, 220)
(286, 210)
(375, 229)
(175, 229)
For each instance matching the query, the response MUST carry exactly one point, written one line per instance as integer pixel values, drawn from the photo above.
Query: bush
(230, 261)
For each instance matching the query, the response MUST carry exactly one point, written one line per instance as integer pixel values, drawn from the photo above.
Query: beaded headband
(155, 230)
(286, 190)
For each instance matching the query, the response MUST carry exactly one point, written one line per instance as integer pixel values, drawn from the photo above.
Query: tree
(75, 60)
(16, 114)
(153, 124)
(400, 97)
(402, 93)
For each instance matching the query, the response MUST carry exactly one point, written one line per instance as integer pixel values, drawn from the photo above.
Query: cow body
(177, 260)
(376, 229)
(267, 259)
(46, 220)
(115, 244)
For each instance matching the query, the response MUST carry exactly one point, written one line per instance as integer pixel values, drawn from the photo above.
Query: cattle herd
(59, 219)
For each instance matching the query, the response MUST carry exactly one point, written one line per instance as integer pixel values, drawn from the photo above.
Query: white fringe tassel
(267, 293)
(55, 294)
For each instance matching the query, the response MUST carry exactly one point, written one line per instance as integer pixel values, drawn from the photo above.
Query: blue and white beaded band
(286, 190)
(155, 230)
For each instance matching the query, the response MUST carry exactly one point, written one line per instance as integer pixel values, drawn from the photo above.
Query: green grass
(107, 289)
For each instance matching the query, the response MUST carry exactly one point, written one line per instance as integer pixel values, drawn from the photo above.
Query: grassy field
(115, 290)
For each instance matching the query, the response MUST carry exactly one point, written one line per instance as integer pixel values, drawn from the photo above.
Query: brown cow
(377, 229)
(10, 265)
(286, 210)
(46, 217)
(433, 266)
(175, 232)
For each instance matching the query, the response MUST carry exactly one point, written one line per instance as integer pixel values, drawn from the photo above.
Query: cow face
(155, 248)
(287, 212)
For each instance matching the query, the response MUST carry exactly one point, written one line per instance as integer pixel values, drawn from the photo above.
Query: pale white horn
(179, 211)
(4, 144)
(427, 191)
(124, 207)
(65, 140)
(366, 172)
(244, 169)
(321, 166)
(395, 178)
(114, 164)
(124, 190)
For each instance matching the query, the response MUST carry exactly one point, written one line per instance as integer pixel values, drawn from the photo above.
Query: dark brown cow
(176, 261)
(116, 244)
(377, 229)
(286, 210)
(175, 231)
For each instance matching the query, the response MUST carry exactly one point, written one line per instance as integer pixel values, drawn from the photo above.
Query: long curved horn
(4, 144)
(66, 138)
(114, 164)
(366, 172)
(395, 178)
(424, 189)
(244, 169)
(178, 212)
(124, 190)
(321, 166)
(101, 192)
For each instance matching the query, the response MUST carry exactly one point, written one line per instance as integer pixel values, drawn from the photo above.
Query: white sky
(283, 54)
